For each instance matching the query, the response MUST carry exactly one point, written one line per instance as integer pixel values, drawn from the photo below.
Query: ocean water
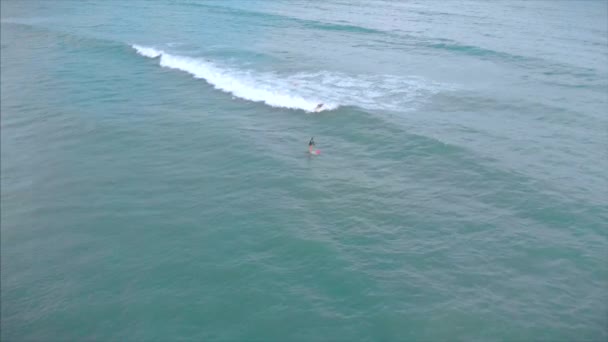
(155, 184)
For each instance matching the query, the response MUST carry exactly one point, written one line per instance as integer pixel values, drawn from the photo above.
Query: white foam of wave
(372, 92)
(241, 84)
(304, 90)
(147, 51)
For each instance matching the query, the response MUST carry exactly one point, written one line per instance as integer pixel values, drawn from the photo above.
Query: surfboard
(315, 152)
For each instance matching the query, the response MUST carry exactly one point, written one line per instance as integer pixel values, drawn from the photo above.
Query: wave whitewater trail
(304, 91)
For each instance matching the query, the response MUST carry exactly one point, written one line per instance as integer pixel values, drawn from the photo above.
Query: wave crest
(147, 51)
(303, 90)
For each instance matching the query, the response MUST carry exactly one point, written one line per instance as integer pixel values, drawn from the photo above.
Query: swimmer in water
(318, 108)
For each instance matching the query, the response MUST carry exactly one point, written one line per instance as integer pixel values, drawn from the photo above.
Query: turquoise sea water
(155, 184)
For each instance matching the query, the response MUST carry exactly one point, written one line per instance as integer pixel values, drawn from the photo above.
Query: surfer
(311, 144)
(318, 108)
